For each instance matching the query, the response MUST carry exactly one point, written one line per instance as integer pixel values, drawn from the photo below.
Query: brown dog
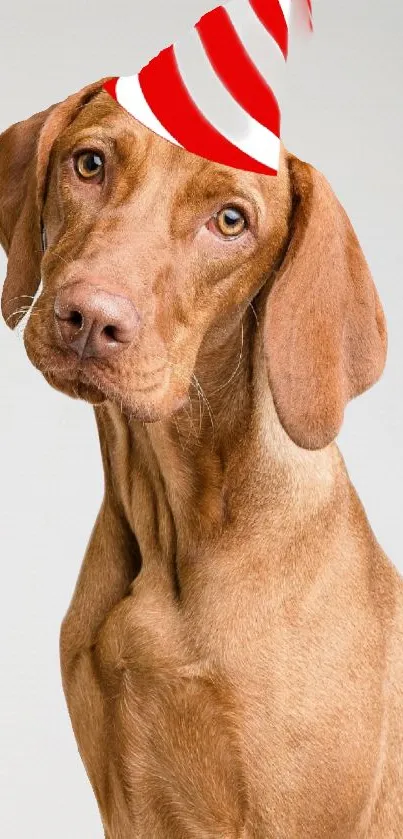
(233, 655)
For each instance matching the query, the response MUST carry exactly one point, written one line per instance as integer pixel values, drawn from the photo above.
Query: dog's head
(144, 251)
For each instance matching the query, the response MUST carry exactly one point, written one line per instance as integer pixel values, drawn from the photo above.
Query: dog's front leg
(111, 562)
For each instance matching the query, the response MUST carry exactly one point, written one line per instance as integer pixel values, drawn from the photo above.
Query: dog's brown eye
(230, 221)
(89, 165)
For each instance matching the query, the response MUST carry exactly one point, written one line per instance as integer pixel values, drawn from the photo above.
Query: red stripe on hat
(310, 12)
(236, 70)
(271, 15)
(110, 86)
(173, 106)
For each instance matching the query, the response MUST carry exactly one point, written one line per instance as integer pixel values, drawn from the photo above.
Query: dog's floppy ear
(24, 157)
(324, 333)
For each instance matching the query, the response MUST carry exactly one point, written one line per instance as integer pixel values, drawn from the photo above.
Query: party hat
(215, 91)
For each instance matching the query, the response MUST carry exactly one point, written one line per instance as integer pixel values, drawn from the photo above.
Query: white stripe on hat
(261, 48)
(130, 95)
(233, 136)
(218, 106)
(286, 7)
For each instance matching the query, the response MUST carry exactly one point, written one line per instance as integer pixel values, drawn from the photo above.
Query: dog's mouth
(146, 396)
(91, 382)
(141, 380)
(145, 401)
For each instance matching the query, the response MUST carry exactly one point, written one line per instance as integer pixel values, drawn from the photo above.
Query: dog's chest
(173, 720)
(218, 722)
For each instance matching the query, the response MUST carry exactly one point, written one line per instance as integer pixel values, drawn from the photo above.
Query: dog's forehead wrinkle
(97, 122)
(144, 172)
(102, 110)
(211, 183)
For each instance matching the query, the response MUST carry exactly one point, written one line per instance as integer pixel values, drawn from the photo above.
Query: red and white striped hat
(215, 91)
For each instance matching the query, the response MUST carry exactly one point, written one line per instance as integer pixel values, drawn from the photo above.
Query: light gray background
(344, 115)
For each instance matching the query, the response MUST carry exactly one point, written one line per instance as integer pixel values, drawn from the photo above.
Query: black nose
(94, 323)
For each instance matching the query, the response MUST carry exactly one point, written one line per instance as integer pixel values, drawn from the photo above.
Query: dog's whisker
(179, 434)
(202, 398)
(62, 258)
(201, 406)
(206, 402)
(189, 416)
(221, 387)
(251, 306)
(21, 297)
(21, 311)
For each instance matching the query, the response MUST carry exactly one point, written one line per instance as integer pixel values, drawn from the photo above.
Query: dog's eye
(89, 165)
(230, 222)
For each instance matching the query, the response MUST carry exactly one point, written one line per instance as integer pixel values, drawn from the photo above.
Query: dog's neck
(186, 482)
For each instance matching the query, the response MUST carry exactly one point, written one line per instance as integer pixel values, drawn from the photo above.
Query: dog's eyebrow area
(209, 187)
(126, 146)
(209, 183)
(98, 122)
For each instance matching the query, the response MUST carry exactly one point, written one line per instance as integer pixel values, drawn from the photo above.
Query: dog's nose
(94, 323)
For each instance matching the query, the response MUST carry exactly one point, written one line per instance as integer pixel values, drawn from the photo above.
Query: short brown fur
(232, 656)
